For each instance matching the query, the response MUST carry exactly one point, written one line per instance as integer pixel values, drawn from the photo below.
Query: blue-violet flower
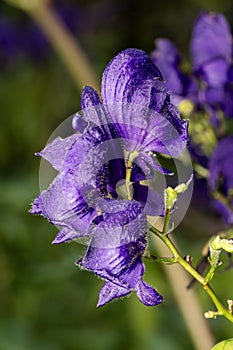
(100, 191)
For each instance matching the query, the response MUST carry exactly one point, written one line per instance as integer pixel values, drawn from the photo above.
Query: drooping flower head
(101, 191)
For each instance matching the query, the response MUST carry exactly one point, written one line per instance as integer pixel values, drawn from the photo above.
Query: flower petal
(66, 234)
(152, 202)
(111, 291)
(125, 76)
(63, 207)
(147, 295)
(214, 73)
(211, 39)
(56, 151)
(167, 58)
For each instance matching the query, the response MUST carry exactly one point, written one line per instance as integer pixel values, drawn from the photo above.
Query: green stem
(166, 220)
(129, 167)
(178, 258)
(158, 259)
(127, 179)
(214, 261)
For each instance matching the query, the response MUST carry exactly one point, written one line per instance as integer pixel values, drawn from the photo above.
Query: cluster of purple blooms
(209, 88)
(100, 191)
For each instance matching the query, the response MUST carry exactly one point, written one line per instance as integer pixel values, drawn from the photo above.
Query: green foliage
(224, 345)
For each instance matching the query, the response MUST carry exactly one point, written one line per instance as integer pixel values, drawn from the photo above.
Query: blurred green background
(46, 302)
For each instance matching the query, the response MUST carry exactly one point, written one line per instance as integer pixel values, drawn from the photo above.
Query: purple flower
(168, 59)
(209, 86)
(211, 51)
(99, 191)
(221, 177)
(211, 40)
(9, 41)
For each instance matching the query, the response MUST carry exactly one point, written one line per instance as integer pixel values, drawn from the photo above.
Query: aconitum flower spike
(101, 189)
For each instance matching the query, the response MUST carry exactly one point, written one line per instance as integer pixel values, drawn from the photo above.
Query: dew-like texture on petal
(64, 208)
(92, 109)
(122, 222)
(115, 250)
(98, 195)
(89, 98)
(111, 291)
(147, 295)
(124, 78)
(123, 271)
(211, 39)
(67, 234)
(132, 77)
(56, 151)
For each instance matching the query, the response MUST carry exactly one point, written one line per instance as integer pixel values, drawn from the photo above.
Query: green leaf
(224, 345)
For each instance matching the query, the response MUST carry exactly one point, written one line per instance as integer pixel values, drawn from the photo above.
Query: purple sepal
(211, 39)
(79, 124)
(65, 235)
(56, 151)
(147, 295)
(124, 78)
(36, 208)
(63, 205)
(111, 291)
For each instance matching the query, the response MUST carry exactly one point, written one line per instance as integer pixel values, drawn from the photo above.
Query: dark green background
(46, 302)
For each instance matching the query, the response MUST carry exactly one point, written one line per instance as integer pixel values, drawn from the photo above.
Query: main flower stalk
(177, 258)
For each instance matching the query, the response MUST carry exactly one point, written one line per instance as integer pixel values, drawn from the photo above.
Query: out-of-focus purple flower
(70, 14)
(211, 40)
(221, 177)
(35, 45)
(98, 192)
(209, 86)
(211, 52)
(10, 42)
(168, 59)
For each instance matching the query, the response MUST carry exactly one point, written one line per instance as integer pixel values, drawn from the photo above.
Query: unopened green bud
(219, 243)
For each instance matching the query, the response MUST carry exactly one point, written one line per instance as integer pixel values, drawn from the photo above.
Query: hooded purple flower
(221, 177)
(98, 192)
